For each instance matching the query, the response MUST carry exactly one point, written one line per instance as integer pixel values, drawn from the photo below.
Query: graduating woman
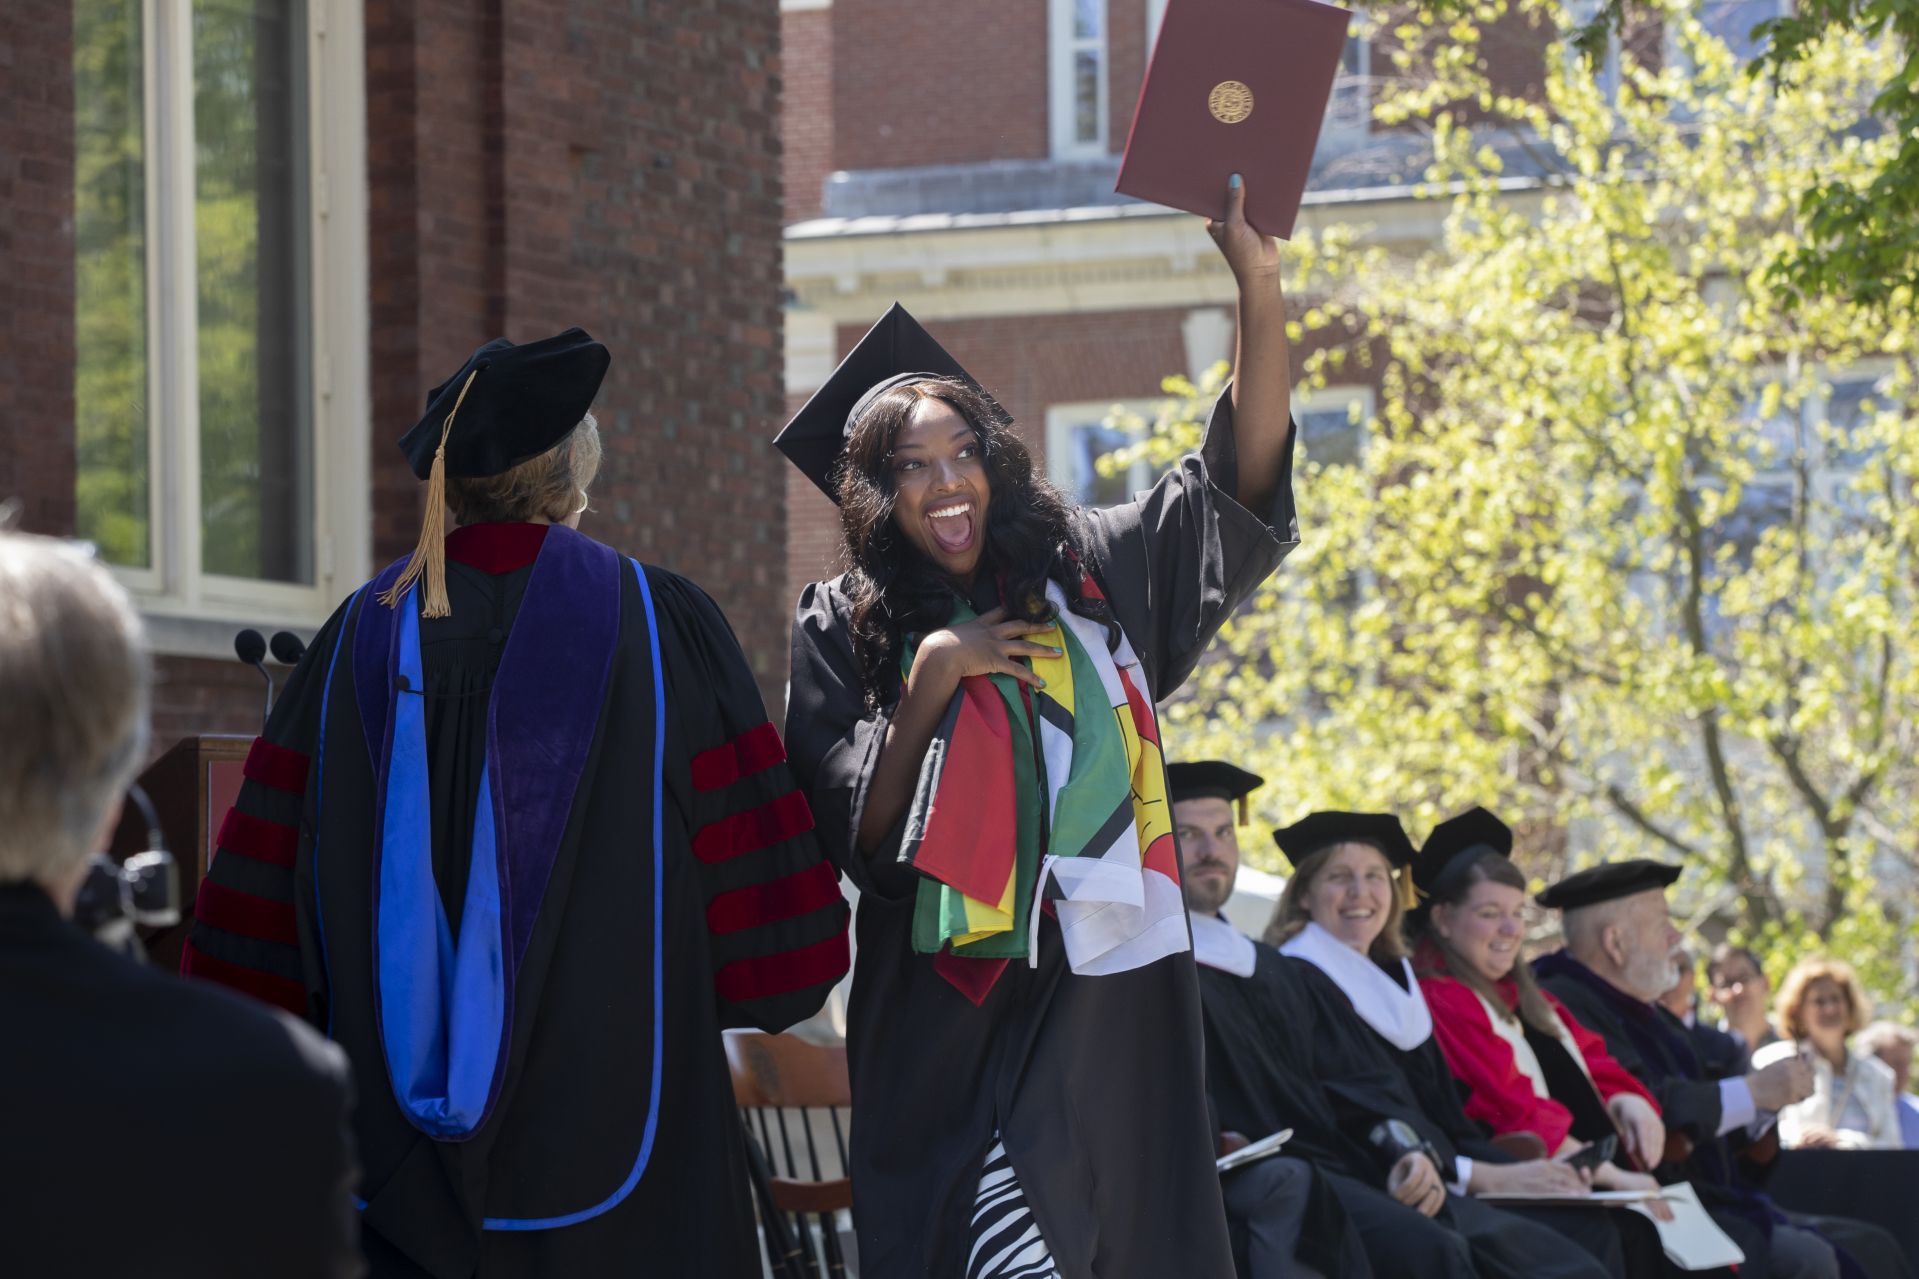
(972, 717)
(520, 838)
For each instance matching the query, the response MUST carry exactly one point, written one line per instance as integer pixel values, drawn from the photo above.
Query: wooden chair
(792, 1097)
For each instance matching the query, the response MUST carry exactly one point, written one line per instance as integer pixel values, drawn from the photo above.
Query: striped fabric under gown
(1005, 1242)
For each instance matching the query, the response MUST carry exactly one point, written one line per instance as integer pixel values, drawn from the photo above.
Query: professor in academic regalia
(151, 1127)
(972, 716)
(520, 836)
(1617, 961)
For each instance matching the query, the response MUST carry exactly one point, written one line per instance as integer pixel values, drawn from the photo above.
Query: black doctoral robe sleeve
(247, 927)
(1178, 559)
(776, 921)
(1691, 1106)
(836, 738)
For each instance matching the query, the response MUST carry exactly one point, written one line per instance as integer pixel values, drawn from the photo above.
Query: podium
(191, 787)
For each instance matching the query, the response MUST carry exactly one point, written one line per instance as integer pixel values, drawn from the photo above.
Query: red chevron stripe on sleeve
(245, 915)
(272, 842)
(276, 766)
(785, 898)
(754, 829)
(745, 755)
(786, 972)
(271, 988)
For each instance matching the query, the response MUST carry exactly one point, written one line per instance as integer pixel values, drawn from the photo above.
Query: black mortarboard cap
(894, 352)
(523, 400)
(1322, 830)
(1472, 831)
(1212, 779)
(1607, 881)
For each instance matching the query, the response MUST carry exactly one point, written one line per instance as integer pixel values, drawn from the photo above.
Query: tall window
(1076, 40)
(1079, 435)
(1732, 22)
(199, 331)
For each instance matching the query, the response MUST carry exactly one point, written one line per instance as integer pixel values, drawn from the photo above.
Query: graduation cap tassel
(429, 556)
(1408, 894)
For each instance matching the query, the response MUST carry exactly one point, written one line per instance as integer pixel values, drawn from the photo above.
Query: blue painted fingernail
(1233, 182)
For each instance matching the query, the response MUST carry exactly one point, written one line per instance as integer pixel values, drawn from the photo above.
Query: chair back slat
(780, 1081)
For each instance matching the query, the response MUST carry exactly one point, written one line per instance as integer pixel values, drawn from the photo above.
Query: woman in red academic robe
(1531, 1067)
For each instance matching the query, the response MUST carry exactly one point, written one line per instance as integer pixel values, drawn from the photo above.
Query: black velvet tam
(1607, 881)
(1322, 830)
(1473, 831)
(1210, 779)
(523, 401)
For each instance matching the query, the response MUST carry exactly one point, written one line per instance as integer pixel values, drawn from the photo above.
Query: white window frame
(1061, 47)
(1334, 126)
(191, 611)
(1063, 419)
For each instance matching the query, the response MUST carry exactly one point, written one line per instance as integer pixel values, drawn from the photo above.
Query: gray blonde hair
(550, 486)
(74, 688)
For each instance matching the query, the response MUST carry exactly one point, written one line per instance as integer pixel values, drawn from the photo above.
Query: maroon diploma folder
(1235, 86)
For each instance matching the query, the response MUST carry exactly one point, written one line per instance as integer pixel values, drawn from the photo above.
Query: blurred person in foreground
(1852, 1105)
(1893, 1044)
(1617, 962)
(153, 1127)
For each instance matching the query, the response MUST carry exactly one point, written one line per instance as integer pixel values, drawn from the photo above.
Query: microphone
(250, 648)
(288, 648)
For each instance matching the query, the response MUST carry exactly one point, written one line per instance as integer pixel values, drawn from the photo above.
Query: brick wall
(806, 108)
(572, 163)
(36, 264)
(929, 83)
(1127, 46)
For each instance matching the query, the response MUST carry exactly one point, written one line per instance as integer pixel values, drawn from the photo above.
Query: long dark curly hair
(894, 589)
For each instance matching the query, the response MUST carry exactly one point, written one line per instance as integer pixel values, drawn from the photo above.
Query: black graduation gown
(1095, 1082)
(1260, 1079)
(1368, 1079)
(583, 1164)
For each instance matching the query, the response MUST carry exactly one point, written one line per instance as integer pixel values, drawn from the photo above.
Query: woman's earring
(581, 508)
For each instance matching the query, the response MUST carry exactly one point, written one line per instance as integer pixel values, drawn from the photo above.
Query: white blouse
(1857, 1103)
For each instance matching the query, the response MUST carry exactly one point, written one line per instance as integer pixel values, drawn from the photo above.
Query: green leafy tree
(1631, 552)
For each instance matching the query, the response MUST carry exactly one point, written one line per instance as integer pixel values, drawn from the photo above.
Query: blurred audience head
(1822, 1000)
(1682, 998)
(1630, 941)
(1208, 851)
(1738, 985)
(1893, 1044)
(74, 680)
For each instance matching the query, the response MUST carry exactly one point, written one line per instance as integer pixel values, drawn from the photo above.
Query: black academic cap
(1322, 830)
(1608, 881)
(1473, 831)
(1211, 779)
(894, 352)
(519, 402)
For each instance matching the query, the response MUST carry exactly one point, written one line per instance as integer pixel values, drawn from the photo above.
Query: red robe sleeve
(1609, 1077)
(1502, 1097)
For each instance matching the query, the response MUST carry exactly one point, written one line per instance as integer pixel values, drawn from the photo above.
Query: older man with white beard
(1619, 958)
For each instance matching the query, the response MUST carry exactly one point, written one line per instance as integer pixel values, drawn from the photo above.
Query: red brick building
(239, 240)
(960, 159)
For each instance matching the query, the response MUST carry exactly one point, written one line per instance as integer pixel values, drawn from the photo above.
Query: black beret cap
(523, 400)
(1210, 779)
(1472, 831)
(1322, 830)
(896, 351)
(1607, 881)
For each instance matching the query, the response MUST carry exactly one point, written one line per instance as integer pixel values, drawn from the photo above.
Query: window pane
(1329, 436)
(1732, 22)
(110, 289)
(1086, 18)
(1085, 484)
(1086, 94)
(250, 221)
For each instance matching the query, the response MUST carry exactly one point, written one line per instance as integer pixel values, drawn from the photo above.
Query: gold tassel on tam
(1408, 894)
(429, 556)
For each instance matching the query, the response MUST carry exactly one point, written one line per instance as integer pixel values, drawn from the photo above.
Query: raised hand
(1251, 256)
